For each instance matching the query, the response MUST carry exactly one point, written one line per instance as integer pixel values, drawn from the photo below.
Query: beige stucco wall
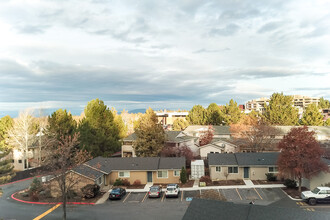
(319, 180)
(258, 173)
(255, 173)
(205, 150)
(127, 148)
(170, 178)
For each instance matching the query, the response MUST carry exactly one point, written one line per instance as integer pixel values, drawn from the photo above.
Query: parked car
(319, 194)
(172, 190)
(117, 193)
(155, 191)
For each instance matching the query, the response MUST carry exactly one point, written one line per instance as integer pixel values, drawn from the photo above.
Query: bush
(90, 190)
(290, 183)
(118, 182)
(35, 186)
(271, 177)
(137, 183)
(71, 194)
(206, 179)
(183, 175)
(125, 182)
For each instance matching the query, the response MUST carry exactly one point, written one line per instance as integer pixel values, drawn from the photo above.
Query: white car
(172, 190)
(319, 194)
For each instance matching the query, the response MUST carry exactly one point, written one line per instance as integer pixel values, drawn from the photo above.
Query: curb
(50, 203)
(291, 197)
(19, 181)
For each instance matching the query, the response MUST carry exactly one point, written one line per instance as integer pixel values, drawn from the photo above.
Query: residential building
(168, 117)
(217, 146)
(321, 179)
(257, 105)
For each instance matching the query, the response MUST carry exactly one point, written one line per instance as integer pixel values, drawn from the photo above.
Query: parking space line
(127, 196)
(163, 197)
(258, 193)
(239, 194)
(145, 196)
(47, 212)
(182, 195)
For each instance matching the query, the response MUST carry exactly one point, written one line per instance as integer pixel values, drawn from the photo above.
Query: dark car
(155, 191)
(117, 193)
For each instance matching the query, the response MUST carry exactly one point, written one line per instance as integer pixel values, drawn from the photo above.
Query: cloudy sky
(163, 54)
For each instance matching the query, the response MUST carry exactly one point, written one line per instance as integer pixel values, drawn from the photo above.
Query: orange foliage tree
(207, 136)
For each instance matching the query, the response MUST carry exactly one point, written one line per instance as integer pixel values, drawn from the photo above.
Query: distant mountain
(135, 111)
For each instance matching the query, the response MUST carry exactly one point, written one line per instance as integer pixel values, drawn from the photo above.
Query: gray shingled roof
(244, 159)
(200, 209)
(218, 130)
(222, 159)
(136, 163)
(87, 171)
(131, 137)
(171, 136)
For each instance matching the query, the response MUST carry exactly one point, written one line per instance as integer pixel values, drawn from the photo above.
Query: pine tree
(183, 175)
(281, 111)
(324, 104)
(150, 136)
(214, 115)
(6, 167)
(180, 124)
(312, 116)
(327, 122)
(197, 115)
(61, 123)
(232, 113)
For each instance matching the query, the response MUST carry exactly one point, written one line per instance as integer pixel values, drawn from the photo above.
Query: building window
(176, 172)
(273, 169)
(218, 169)
(19, 161)
(232, 169)
(99, 181)
(162, 174)
(124, 174)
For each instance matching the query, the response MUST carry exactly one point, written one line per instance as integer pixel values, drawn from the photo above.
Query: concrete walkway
(248, 183)
(196, 183)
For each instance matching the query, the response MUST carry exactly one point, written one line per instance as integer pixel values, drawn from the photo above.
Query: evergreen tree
(61, 123)
(214, 115)
(6, 167)
(197, 115)
(183, 175)
(232, 113)
(327, 122)
(99, 134)
(312, 116)
(281, 111)
(118, 120)
(180, 124)
(324, 104)
(150, 136)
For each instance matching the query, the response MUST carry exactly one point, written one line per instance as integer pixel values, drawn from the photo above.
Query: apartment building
(168, 117)
(257, 105)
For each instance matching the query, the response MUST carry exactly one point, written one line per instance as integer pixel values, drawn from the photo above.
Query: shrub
(290, 183)
(36, 186)
(118, 182)
(183, 175)
(90, 190)
(125, 182)
(137, 183)
(71, 194)
(271, 177)
(206, 179)
(34, 196)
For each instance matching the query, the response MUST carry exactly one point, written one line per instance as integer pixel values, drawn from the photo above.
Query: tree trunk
(64, 197)
(299, 181)
(26, 151)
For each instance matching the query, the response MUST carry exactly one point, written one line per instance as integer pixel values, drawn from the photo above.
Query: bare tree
(61, 158)
(226, 174)
(42, 126)
(21, 135)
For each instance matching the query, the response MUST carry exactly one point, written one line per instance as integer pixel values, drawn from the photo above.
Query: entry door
(246, 172)
(149, 176)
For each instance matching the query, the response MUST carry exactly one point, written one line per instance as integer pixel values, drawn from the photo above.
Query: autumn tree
(99, 134)
(312, 116)
(118, 120)
(150, 136)
(180, 124)
(327, 122)
(207, 136)
(60, 160)
(214, 115)
(178, 151)
(300, 155)
(281, 111)
(61, 123)
(197, 115)
(22, 134)
(253, 134)
(6, 167)
(232, 113)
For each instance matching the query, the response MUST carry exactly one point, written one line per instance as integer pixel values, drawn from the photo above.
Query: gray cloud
(271, 26)
(228, 30)
(203, 50)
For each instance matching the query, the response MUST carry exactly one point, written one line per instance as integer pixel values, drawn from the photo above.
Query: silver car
(155, 191)
(172, 190)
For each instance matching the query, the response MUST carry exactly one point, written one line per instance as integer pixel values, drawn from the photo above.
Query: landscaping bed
(294, 192)
(189, 183)
(212, 194)
(262, 182)
(24, 195)
(227, 183)
(132, 186)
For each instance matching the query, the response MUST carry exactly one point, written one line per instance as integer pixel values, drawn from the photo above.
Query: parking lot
(259, 196)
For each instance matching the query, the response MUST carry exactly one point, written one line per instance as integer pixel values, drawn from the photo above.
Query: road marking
(127, 196)
(239, 194)
(258, 193)
(182, 195)
(47, 212)
(163, 197)
(145, 196)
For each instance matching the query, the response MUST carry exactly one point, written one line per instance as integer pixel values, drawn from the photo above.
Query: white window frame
(218, 169)
(161, 177)
(175, 171)
(126, 174)
(233, 167)
(275, 170)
